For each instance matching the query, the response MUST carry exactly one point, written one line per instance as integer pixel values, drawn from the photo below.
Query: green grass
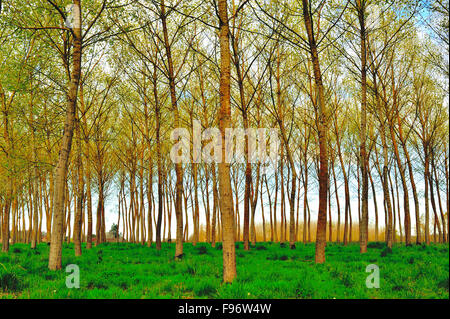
(124, 270)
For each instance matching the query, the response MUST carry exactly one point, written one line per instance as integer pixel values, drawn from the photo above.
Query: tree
(323, 136)
(229, 256)
(54, 262)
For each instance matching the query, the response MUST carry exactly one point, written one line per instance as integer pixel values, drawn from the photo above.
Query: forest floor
(268, 270)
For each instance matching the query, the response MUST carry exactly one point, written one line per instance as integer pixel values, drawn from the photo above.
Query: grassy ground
(123, 270)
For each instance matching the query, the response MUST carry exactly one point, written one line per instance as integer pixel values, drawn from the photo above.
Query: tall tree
(229, 255)
(66, 143)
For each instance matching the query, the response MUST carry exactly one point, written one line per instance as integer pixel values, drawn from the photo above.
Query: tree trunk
(364, 162)
(66, 144)
(35, 184)
(323, 139)
(229, 257)
(438, 192)
(338, 207)
(374, 204)
(427, 203)
(178, 167)
(215, 206)
(270, 208)
(79, 190)
(387, 199)
(401, 169)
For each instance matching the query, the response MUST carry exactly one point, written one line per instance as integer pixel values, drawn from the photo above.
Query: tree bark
(178, 167)
(363, 159)
(323, 139)
(229, 257)
(66, 144)
(79, 190)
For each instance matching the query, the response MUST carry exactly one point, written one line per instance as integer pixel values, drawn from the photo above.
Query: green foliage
(9, 280)
(114, 230)
(126, 270)
(201, 250)
(386, 251)
(443, 284)
(204, 288)
(376, 244)
(99, 256)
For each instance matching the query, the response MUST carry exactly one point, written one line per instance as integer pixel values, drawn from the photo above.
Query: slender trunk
(248, 165)
(159, 167)
(398, 206)
(394, 211)
(229, 257)
(447, 192)
(283, 200)
(323, 139)
(305, 182)
(338, 207)
(387, 199)
(427, 202)
(330, 221)
(89, 209)
(275, 225)
(254, 201)
(207, 211)
(35, 182)
(79, 190)
(364, 161)
(262, 214)
(66, 144)
(178, 167)
(270, 208)
(196, 213)
(433, 205)
(438, 192)
(374, 197)
(215, 206)
(401, 169)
